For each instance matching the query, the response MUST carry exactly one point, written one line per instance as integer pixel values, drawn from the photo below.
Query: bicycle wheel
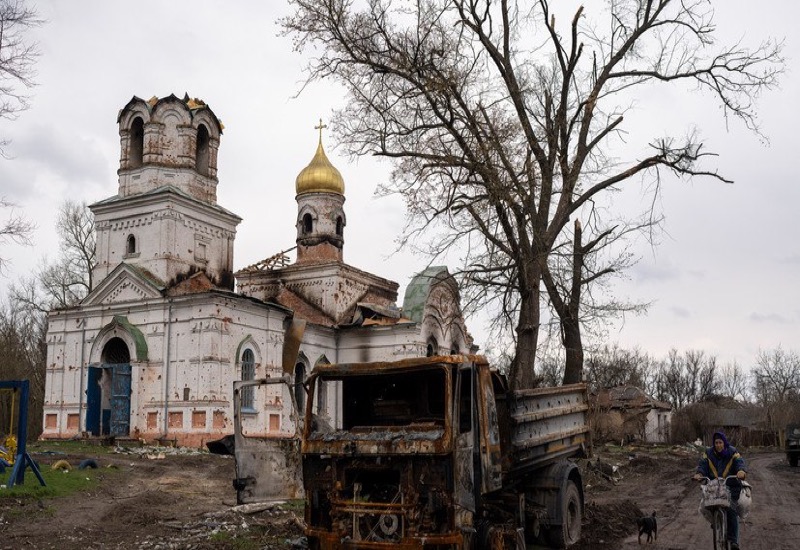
(720, 527)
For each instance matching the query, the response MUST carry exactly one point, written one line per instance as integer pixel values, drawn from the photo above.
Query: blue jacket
(726, 463)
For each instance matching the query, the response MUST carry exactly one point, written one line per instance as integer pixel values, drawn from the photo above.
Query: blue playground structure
(22, 459)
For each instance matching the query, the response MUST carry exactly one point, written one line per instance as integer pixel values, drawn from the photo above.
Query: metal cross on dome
(320, 128)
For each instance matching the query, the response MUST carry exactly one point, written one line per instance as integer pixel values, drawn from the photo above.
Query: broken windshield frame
(399, 399)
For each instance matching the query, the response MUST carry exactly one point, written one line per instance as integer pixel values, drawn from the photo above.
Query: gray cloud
(681, 312)
(769, 318)
(791, 260)
(647, 273)
(73, 158)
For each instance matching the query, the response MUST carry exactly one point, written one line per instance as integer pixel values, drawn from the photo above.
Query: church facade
(154, 349)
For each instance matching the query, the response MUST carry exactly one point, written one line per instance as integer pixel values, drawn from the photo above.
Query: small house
(627, 414)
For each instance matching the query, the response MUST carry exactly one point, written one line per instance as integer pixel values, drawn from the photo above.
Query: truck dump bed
(546, 425)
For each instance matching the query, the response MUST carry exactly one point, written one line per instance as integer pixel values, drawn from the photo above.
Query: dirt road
(773, 524)
(186, 501)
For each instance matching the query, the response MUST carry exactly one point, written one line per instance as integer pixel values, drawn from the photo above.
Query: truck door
(464, 467)
(267, 455)
(491, 468)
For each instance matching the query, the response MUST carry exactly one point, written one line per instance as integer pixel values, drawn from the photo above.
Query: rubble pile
(269, 526)
(605, 525)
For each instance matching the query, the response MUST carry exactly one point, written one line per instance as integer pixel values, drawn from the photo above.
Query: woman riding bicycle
(722, 460)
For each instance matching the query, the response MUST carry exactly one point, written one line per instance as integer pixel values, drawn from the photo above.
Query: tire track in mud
(775, 521)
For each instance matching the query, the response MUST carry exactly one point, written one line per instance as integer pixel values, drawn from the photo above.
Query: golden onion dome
(320, 176)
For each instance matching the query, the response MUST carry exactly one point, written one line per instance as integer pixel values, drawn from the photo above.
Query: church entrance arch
(108, 392)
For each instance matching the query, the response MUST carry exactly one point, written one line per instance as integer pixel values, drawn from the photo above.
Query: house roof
(302, 308)
(741, 417)
(418, 289)
(629, 397)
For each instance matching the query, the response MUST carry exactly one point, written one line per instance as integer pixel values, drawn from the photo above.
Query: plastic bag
(745, 500)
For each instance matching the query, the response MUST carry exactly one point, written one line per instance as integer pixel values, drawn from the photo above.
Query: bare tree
(612, 366)
(14, 228)
(551, 370)
(683, 379)
(701, 375)
(776, 385)
(673, 384)
(75, 226)
(572, 281)
(709, 379)
(23, 353)
(68, 279)
(17, 57)
(501, 122)
(776, 376)
(733, 381)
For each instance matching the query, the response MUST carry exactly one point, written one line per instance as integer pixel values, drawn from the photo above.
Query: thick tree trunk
(523, 374)
(570, 323)
(573, 347)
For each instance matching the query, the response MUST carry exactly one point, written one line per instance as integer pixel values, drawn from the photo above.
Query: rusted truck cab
(425, 457)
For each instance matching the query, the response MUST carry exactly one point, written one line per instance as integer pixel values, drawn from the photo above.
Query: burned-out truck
(438, 453)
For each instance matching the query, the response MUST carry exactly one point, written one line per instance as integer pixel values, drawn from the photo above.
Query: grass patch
(229, 541)
(59, 483)
(295, 505)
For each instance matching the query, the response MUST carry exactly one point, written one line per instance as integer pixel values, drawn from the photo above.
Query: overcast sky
(724, 279)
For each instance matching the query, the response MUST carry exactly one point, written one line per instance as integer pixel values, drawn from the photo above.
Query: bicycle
(714, 507)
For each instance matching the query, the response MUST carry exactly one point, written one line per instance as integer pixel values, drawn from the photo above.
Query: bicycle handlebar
(706, 479)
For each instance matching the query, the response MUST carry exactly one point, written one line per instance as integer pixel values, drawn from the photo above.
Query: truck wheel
(569, 532)
(793, 461)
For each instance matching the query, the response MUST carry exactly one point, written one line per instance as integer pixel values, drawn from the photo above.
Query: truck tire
(569, 532)
(793, 461)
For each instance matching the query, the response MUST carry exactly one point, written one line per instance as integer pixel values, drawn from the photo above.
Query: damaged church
(153, 350)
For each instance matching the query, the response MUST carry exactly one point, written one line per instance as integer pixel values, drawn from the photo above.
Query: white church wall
(201, 361)
(171, 235)
(380, 343)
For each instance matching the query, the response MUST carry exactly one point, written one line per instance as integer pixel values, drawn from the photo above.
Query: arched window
(432, 348)
(308, 224)
(116, 352)
(248, 373)
(202, 154)
(299, 388)
(339, 226)
(136, 144)
(130, 246)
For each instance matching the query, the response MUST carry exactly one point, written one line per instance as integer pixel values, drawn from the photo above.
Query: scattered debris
(157, 451)
(88, 463)
(62, 465)
(608, 471)
(223, 446)
(255, 507)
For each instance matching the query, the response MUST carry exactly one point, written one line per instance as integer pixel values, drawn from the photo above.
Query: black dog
(648, 526)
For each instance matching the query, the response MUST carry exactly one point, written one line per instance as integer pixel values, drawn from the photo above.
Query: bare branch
(15, 229)
(500, 131)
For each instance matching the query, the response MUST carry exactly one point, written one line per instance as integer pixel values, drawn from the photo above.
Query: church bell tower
(320, 210)
(165, 218)
(169, 141)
